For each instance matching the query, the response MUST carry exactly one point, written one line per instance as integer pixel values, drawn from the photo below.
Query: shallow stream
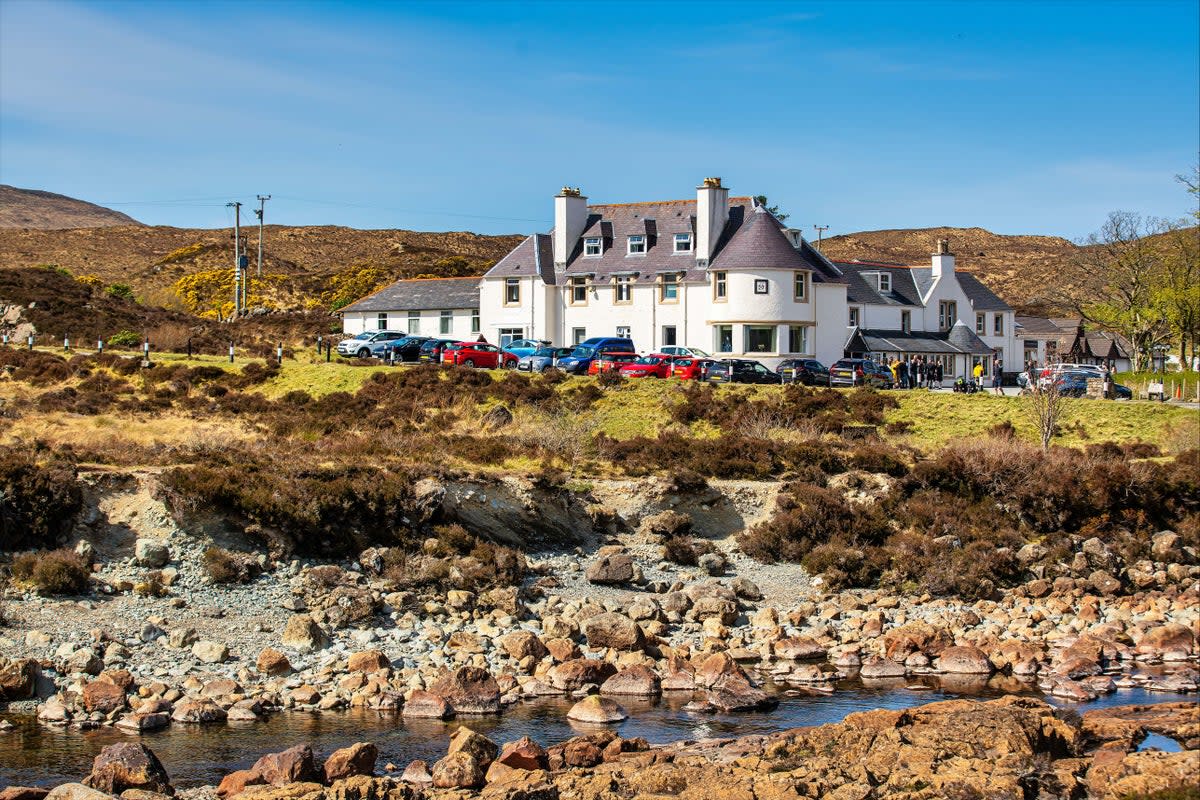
(34, 754)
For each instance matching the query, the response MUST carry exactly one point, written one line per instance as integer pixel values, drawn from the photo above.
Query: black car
(432, 349)
(740, 370)
(807, 371)
(408, 348)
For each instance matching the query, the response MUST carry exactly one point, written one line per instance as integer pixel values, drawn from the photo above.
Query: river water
(34, 754)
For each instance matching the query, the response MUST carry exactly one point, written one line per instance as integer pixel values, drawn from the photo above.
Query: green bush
(125, 339)
(122, 290)
(53, 572)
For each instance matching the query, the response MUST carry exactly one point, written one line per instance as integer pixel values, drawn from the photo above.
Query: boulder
(469, 690)
(915, 637)
(418, 773)
(1172, 640)
(476, 745)
(221, 687)
(368, 661)
(198, 711)
(23, 793)
(304, 634)
(524, 644)
(562, 649)
(357, 759)
(637, 680)
(581, 752)
(612, 569)
(76, 791)
(798, 648)
(272, 662)
(305, 695)
(103, 696)
(876, 667)
(425, 705)
(236, 782)
(141, 722)
(597, 709)
(210, 652)
(18, 678)
(579, 672)
(710, 606)
(457, 771)
(746, 589)
(613, 630)
(1104, 583)
(180, 638)
(737, 693)
(523, 754)
(118, 677)
(128, 765)
(291, 765)
(716, 667)
(151, 553)
(963, 660)
(84, 660)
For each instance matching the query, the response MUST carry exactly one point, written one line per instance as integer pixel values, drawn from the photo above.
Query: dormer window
(885, 281)
(637, 245)
(591, 246)
(683, 243)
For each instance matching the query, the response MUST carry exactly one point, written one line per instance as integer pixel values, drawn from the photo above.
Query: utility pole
(237, 257)
(262, 200)
(820, 229)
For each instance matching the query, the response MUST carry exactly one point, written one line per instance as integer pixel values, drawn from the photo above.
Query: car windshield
(364, 335)
(582, 352)
(648, 360)
(683, 362)
(546, 352)
(455, 346)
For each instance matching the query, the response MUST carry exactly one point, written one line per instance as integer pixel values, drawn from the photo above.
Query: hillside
(1018, 268)
(31, 208)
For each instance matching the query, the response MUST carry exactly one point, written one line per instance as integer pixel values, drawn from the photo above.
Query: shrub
(53, 572)
(808, 516)
(610, 379)
(878, 458)
(153, 586)
(121, 290)
(125, 339)
(684, 550)
(222, 566)
(39, 498)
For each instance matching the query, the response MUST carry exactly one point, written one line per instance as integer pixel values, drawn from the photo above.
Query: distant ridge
(32, 208)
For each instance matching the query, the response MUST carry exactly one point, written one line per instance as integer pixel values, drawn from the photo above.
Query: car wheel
(468, 363)
(363, 353)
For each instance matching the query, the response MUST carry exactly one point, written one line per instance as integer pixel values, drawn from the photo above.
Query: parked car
(1053, 371)
(543, 358)
(477, 354)
(408, 348)
(524, 347)
(655, 365)
(688, 368)
(679, 350)
(610, 362)
(860, 372)
(807, 371)
(741, 370)
(433, 349)
(581, 357)
(1074, 383)
(368, 344)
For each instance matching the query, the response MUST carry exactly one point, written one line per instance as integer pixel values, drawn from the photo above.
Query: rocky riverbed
(599, 623)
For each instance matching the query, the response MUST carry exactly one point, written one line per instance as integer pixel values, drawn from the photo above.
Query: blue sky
(1018, 117)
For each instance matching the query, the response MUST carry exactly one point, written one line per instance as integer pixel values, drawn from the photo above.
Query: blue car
(581, 357)
(524, 347)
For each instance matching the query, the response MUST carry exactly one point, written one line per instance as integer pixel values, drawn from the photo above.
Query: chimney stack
(712, 212)
(570, 220)
(943, 259)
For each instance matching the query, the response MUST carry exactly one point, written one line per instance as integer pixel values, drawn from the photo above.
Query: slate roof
(759, 243)
(982, 298)
(935, 342)
(422, 294)
(534, 255)
(861, 289)
(1038, 327)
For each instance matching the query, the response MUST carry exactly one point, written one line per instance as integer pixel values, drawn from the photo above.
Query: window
(885, 281)
(579, 291)
(797, 338)
(906, 321)
(381, 321)
(723, 336)
(761, 286)
(591, 246)
(668, 289)
(668, 335)
(720, 285)
(445, 321)
(947, 314)
(800, 286)
(623, 293)
(683, 243)
(578, 335)
(414, 322)
(510, 335)
(759, 339)
(981, 324)
(622, 331)
(474, 320)
(637, 245)
(998, 325)
(512, 291)
(853, 322)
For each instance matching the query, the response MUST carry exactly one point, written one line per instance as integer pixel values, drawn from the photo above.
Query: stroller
(965, 386)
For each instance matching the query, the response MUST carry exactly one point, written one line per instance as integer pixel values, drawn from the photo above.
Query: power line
(262, 201)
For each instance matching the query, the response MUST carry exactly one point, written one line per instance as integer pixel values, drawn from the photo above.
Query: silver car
(368, 344)
(543, 357)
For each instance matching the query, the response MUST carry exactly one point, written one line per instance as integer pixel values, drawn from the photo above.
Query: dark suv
(740, 370)
(860, 372)
(581, 357)
(433, 349)
(807, 371)
(408, 348)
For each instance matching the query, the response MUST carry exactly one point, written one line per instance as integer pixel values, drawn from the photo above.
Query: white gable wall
(427, 323)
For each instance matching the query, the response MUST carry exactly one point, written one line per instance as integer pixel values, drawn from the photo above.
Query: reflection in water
(197, 755)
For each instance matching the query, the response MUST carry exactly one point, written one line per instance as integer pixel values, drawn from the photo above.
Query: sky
(1019, 117)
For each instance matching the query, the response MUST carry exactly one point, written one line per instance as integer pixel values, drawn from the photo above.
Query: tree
(1045, 407)
(774, 211)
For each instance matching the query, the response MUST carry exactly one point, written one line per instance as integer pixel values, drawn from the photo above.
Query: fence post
(279, 354)
(99, 347)
(189, 347)
(328, 351)
(29, 341)
(231, 352)
(66, 344)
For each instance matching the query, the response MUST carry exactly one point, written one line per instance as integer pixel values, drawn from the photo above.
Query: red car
(690, 369)
(610, 362)
(655, 365)
(477, 354)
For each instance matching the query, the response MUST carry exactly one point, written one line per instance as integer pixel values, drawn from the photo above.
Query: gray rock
(151, 553)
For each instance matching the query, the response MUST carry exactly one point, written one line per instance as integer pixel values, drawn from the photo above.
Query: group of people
(916, 373)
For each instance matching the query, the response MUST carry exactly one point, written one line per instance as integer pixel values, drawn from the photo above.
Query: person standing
(977, 374)
(937, 371)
